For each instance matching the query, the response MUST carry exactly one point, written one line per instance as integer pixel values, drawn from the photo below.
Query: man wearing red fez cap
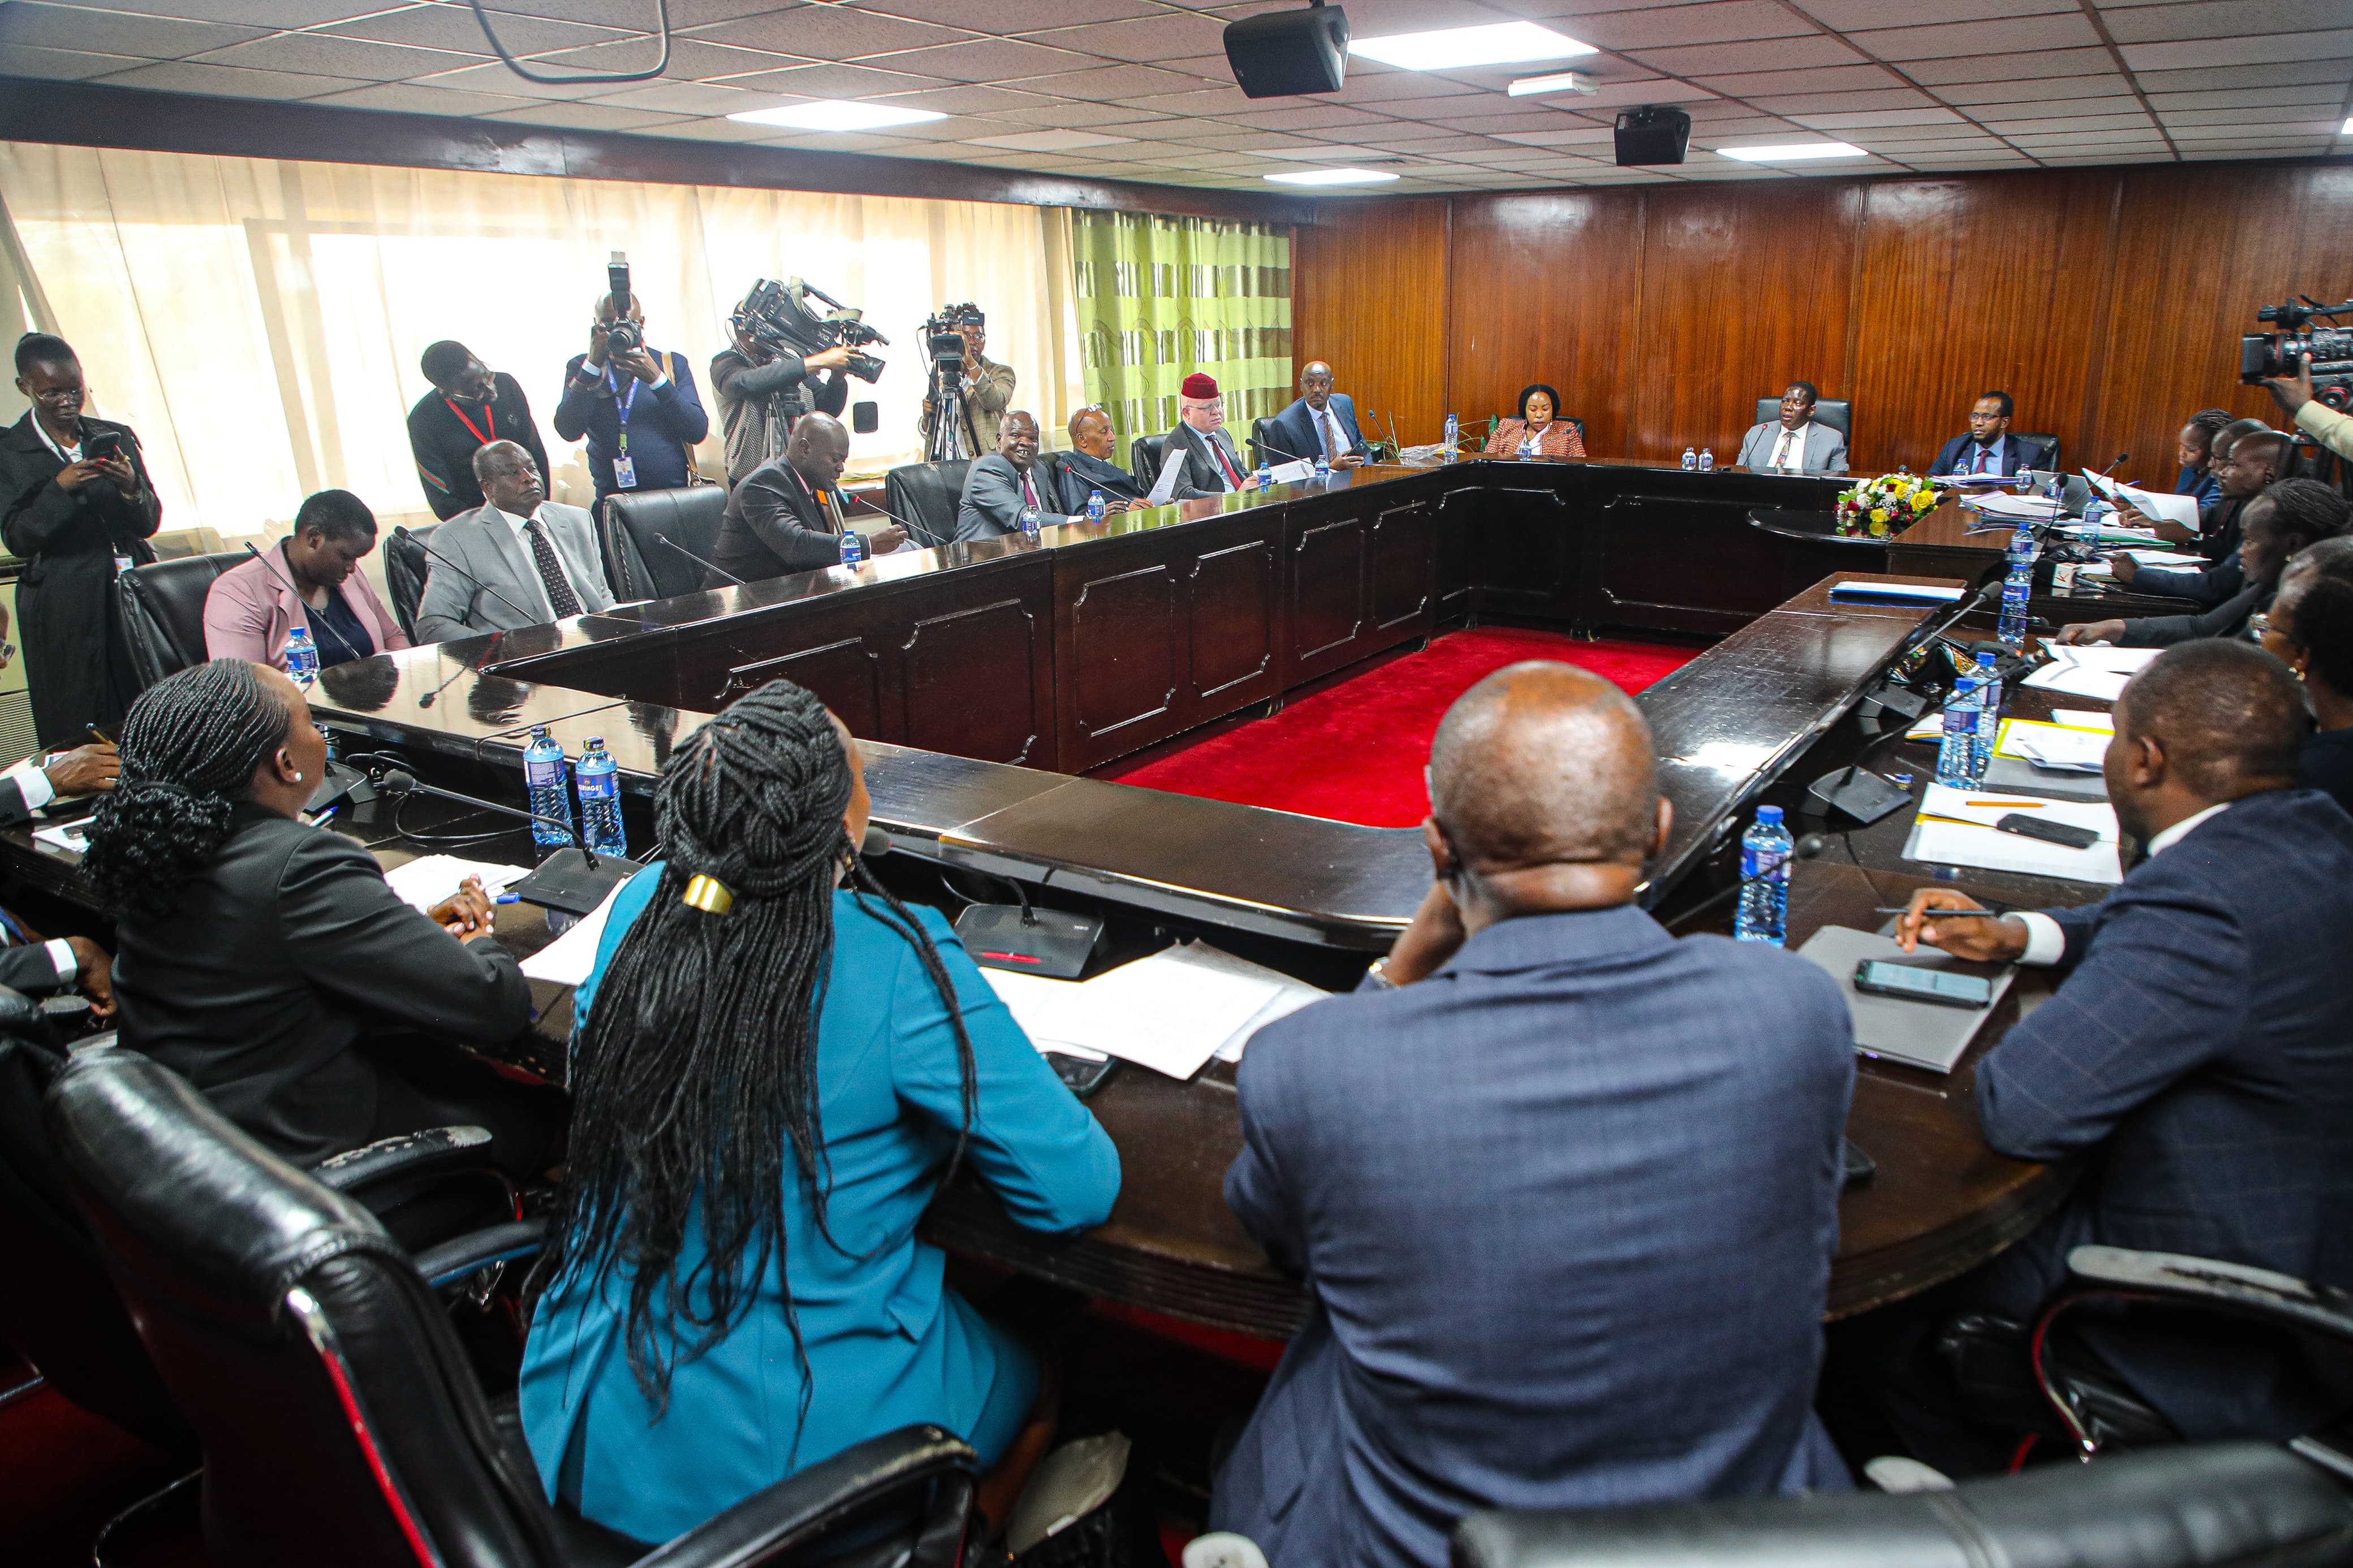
(1213, 465)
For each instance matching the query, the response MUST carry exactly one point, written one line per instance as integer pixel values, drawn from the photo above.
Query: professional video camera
(944, 342)
(778, 317)
(943, 346)
(624, 337)
(2263, 354)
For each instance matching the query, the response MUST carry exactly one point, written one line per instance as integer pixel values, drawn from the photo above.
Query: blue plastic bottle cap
(596, 742)
(1769, 814)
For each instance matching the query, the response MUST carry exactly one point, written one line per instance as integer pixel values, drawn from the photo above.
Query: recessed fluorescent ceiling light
(837, 114)
(1330, 177)
(2346, 128)
(1452, 49)
(1559, 81)
(1793, 151)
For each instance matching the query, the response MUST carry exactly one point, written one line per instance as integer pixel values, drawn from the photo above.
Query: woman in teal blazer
(774, 1076)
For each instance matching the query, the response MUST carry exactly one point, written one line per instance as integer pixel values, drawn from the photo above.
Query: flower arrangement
(1888, 504)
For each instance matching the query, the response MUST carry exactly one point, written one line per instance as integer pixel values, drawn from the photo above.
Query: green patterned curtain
(1159, 298)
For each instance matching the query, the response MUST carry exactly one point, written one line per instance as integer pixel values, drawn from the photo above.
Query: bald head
(1315, 385)
(1543, 763)
(2226, 715)
(819, 449)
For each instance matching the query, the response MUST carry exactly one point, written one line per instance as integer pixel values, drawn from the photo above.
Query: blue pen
(508, 899)
(324, 815)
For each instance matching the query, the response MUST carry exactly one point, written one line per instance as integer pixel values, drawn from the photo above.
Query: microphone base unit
(570, 882)
(341, 782)
(1858, 792)
(1051, 943)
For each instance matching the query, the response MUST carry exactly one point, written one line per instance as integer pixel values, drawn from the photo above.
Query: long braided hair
(191, 745)
(697, 1066)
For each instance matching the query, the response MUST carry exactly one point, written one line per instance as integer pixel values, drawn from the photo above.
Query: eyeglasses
(2259, 626)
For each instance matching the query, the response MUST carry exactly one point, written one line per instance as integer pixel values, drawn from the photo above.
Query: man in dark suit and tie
(785, 515)
(1213, 466)
(1563, 1188)
(1089, 467)
(1321, 422)
(1989, 447)
(2199, 1052)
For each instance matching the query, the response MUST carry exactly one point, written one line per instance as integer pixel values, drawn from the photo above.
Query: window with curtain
(1159, 298)
(258, 322)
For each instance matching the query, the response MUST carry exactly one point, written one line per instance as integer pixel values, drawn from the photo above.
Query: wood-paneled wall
(2108, 303)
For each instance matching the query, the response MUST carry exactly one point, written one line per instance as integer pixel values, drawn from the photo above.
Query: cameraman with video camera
(2301, 401)
(763, 387)
(982, 388)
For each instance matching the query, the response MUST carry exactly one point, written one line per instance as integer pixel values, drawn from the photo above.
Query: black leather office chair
(635, 560)
(2049, 445)
(1144, 460)
(406, 567)
(339, 1418)
(1835, 412)
(2228, 1505)
(927, 496)
(163, 612)
(1257, 439)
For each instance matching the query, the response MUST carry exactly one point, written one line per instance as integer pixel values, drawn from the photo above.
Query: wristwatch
(1378, 973)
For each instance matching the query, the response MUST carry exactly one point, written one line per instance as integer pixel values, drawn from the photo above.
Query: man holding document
(2281, 522)
(2247, 459)
(2201, 1041)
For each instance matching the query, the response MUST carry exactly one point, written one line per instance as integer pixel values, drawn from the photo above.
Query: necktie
(1331, 437)
(1028, 490)
(1233, 474)
(1985, 457)
(560, 596)
(1781, 453)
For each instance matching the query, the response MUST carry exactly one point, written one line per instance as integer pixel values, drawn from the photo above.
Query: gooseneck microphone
(273, 570)
(531, 618)
(699, 560)
(400, 781)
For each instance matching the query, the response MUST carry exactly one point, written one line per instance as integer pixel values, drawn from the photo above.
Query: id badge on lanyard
(625, 468)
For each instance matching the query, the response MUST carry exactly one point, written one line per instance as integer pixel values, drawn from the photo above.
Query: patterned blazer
(1561, 440)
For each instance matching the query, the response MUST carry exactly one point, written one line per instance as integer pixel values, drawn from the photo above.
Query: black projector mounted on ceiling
(1288, 52)
(1651, 134)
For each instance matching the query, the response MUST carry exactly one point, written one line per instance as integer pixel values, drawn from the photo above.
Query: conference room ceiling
(1139, 89)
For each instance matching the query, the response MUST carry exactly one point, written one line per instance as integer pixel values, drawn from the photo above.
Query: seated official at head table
(1797, 443)
(1213, 465)
(309, 579)
(1540, 1274)
(778, 1066)
(2284, 520)
(2247, 459)
(2310, 627)
(1092, 467)
(2199, 1047)
(518, 560)
(999, 487)
(1538, 432)
(268, 963)
(786, 516)
(1989, 447)
(1320, 423)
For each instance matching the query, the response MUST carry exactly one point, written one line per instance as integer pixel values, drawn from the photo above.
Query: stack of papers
(1955, 828)
(2010, 508)
(1902, 593)
(2109, 532)
(2052, 746)
(1171, 1012)
(2178, 509)
(2084, 719)
(2093, 670)
(72, 836)
(568, 959)
(430, 879)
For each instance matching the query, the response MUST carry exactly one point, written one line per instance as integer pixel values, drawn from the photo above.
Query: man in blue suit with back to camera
(1564, 1189)
(1989, 447)
(1321, 421)
(2199, 1053)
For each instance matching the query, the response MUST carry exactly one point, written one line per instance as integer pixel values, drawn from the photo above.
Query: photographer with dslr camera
(764, 386)
(636, 407)
(982, 388)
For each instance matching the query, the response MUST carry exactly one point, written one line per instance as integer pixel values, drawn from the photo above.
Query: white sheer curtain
(258, 321)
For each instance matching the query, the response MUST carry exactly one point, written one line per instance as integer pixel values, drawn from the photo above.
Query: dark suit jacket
(664, 424)
(2212, 585)
(2328, 764)
(68, 617)
(773, 527)
(444, 449)
(1294, 430)
(1566, 1212)
(2020, 453)
(282, 955)
(2201, 1051)
(2227, 619)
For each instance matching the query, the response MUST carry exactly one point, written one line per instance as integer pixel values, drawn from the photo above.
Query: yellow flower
(1879, 514)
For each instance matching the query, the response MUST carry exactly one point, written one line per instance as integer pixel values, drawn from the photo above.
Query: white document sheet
(430, 879)
(2103, 655)
(1955, 828)
(2053, 746)
(1170, 1012)
(70, 836)
(1985, 808)
(2181, 510)
(2084, 719)
(2077, 681)
(2010, 508)
(1292, 473)
(1172, 465)
(568, 959)
(1906, 593)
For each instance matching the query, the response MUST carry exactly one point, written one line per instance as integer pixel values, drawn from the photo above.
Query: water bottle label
(1772, 865)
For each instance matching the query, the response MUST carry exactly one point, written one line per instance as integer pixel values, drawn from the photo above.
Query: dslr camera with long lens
(624, 337)
(778, 317)
(2265, 354)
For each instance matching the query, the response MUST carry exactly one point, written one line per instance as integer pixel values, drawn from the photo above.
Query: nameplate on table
(1896, 592)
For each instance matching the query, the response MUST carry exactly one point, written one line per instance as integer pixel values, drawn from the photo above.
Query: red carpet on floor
(1355, 751)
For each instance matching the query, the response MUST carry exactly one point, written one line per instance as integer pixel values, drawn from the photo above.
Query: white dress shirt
(64, 454)
(2046, 943)
(1790, 450)
(518, 524)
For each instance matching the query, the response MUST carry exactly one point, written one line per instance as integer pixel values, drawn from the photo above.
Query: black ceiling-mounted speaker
(1652, 134)
(1285, 53)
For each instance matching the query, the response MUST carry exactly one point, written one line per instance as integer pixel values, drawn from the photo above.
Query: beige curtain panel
(258, 322)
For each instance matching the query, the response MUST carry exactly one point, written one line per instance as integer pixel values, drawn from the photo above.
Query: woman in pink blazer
(1538, 432)
(311, 579)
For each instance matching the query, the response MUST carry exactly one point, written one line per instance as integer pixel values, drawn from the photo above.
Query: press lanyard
(490, 416)
(621, 406)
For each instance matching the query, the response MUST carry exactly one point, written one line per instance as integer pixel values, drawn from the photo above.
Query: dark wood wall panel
(2109, 302)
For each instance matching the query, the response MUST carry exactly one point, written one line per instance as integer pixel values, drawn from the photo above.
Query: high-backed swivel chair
(339, 1419)
(406, 567)
(163, 612)
(631, 526)
(927, 496)
(1835, 412)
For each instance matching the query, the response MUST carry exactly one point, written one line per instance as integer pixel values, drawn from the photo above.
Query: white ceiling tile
(316, 54)
(60, 65)
(2016, 35)
(1838, 102)
(2219, 19)
(2286, 115)
(2203, 153)
(1307, 117)
(1584, 137)
(2247, 97)
(227, 81)
(828, 32)
(2074, 108)
(1858, 119)
(418, 98)
(2036, 90)
(1851, 15)
(1659, 27)
(144, 37)
(454, 27)
(1781, 84)
(689, 60)
(1131, 85)
(1168, 36)
(268, 15)
(2016, 129)
(1755, 55)
(2275, 73)
(1013, 16)
(2031, 139)
(835, 81)
(2256, 50)
(1051, 112)
(2012, 68)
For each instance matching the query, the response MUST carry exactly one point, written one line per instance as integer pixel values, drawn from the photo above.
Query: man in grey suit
(1214, 466)
(1796, 444)
(517, 560)
(1564, 1190)
(997, 487)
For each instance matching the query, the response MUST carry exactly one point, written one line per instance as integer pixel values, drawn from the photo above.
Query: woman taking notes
(1538, 432)
(779, 1066)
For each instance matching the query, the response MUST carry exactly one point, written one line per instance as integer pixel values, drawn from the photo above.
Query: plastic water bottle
(1322, 463)
(2017, 587)
(854, 547)
(1764, 914)
(2095, 512)
(1690, 460)
(543, 775)
(1957, 751)
(600, 800)
(1094, 506)
(302, 657)
(1989, 700)
(1265, 473)
(1707, 459)
(1029, 521)
(2024, 483)
(1453, 434)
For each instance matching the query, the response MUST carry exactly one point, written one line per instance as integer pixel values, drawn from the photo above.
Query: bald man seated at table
(2198, 1054)
(1565, 1231)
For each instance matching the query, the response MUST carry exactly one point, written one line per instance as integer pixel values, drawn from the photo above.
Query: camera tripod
(947, 442)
